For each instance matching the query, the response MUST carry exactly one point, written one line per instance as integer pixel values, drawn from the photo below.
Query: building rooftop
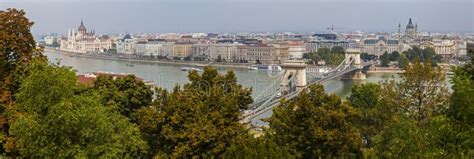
(89, 78)
(127, 36)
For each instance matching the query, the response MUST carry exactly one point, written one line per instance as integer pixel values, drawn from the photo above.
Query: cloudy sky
(159, 16)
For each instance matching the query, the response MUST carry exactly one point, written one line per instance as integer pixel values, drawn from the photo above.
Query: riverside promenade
(133, 59)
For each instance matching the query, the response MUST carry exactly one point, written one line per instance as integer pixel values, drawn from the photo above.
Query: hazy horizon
(145, 16)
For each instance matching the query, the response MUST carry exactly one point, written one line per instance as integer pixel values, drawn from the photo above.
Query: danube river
(168, 75)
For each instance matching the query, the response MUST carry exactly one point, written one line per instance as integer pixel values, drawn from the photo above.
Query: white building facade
(81, 41)
(379, 46)
(226, 52)
(126, 45)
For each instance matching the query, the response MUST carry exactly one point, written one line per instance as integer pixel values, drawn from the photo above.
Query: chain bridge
(294, 79)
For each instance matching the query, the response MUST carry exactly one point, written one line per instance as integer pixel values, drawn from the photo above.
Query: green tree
(394, 56)
(438, 138)
(126, 94)
(424, 91)
(54, 121)
(316, 124)
(367, 98)
(402, 61)
(200, 119)
(332, 57)
(337, 50)
(420, 98)
(400, 140)
(461, 110)
(462, 100)
(385, 59)
(17, 49)
(424, 55)
(112, 51)
(257, 148)
(366, 56)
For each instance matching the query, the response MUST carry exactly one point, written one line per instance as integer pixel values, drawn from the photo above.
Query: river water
(167, 75)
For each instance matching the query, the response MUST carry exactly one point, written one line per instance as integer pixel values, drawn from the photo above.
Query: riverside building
(81, 41)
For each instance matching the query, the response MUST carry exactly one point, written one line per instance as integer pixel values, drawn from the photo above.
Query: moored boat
(190, 69)
(252, 68)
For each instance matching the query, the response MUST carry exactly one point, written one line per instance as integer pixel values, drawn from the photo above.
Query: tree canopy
(54, 121)
(257, 148)
(316, 124)
(17, 49)
(199, 119)
(408, 119)
(424, 55)
(385, 59)
(366, 98)
(332, 57)
(126, 94)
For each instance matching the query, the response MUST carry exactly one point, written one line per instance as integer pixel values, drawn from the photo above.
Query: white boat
(273, 68)
(252, 68)
(190, 69)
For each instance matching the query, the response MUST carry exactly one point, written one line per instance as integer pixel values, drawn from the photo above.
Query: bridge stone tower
(353, 59)
(293, 69)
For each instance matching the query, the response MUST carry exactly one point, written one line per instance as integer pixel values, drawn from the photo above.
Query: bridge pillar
(294, 69)
(353, 58)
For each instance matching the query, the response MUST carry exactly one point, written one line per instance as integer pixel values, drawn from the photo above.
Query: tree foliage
(462, 101)
(423, 91)
(394, 56)
(385, 59)
(200, 119)
(261, 148)
(332, 57)
(54, 121)
(366, 98)
(461, 109)
(419, 101)
(316, 124)
(402, 61)
(126, 94)
(366, 56)
(423, 55)
(17, 49)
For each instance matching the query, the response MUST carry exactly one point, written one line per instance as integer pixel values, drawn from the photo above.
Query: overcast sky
(159, 16)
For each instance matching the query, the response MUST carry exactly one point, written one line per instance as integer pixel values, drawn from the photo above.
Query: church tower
(399, 31)
(410, 30)
(416, 30)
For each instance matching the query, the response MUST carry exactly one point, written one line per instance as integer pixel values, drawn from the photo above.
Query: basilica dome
(410, 25)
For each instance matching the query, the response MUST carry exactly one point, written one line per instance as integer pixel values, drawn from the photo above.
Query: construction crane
(331, 28)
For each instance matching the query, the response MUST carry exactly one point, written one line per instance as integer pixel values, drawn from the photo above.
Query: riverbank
(154, 61)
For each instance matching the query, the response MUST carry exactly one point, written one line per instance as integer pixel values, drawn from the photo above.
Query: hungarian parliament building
(81, 41)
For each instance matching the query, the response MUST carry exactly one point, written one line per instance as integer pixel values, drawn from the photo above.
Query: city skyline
(109, 17)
